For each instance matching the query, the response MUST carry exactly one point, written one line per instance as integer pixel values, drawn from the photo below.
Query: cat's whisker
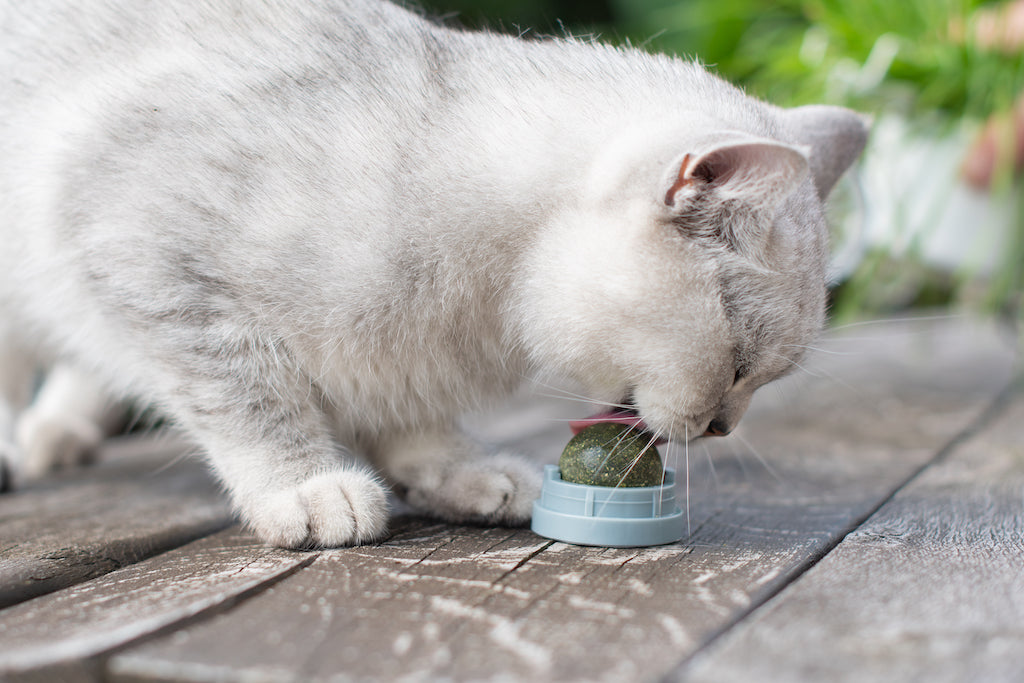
(686, 448)
(842, 339)
(822, 373)
(583, 399)
(855, 390)
(829, 338)
(562, 393)
(163, 436)
(618, 442)
(810, 372)
(650, 444)
(638, 458)
(760, 458)
(664, 467)
(895, 321)
(711, 466)
(741, 461)
(608, 454)
(817, 349)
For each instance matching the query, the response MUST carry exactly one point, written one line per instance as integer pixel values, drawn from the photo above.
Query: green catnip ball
(610, 454)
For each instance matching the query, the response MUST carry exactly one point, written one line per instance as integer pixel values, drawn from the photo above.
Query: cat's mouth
(623, 416)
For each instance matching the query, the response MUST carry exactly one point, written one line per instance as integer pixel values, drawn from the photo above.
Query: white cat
(307, 230)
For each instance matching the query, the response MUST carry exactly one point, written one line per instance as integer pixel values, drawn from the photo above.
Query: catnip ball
(610, 454)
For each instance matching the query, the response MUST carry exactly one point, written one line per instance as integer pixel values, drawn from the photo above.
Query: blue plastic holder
(616, 517)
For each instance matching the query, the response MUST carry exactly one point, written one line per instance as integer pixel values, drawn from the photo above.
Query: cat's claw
(338, 508)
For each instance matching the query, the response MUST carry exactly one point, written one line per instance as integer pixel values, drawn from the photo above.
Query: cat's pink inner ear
(763, 171)
(704, 170)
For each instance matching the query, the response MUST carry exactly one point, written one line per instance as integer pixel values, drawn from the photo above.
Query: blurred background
(932, 216)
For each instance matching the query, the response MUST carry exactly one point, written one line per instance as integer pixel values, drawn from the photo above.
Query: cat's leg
(446, 474)
(17, 373)
(259, 420)
(299, 495)
(66, 423)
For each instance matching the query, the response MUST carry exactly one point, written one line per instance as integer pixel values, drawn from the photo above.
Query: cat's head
(691, 269)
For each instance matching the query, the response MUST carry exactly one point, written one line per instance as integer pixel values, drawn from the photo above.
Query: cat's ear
(756, 171)
(835, 135)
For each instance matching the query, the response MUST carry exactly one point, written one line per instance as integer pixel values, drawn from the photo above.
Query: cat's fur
(311, 229)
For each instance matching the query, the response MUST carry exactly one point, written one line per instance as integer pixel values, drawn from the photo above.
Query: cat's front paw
(499, 489)
(337, 508)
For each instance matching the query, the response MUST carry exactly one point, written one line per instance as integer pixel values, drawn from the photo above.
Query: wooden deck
(866, 524)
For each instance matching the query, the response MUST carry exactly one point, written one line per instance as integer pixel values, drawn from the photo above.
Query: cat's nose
(718, 427)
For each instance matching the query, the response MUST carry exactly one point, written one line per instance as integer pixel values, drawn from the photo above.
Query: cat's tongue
(622, 417)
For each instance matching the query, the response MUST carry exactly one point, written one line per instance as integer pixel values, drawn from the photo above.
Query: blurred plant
(921, 55)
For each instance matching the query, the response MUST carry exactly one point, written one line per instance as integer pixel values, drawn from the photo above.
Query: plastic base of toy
(604, 516)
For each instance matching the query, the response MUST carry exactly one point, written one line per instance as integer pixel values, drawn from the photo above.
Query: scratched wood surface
(816, 457)
(94, 616)
(142, 498)
(930, 588)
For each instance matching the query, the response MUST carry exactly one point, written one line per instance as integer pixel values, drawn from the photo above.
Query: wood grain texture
(461, 603)
(59, 632)
(930, 588)
(139, 500)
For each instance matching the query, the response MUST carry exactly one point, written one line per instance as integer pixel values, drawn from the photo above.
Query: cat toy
(609, 489)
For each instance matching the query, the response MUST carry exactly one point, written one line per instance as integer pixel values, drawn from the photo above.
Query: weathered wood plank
(357, 613)
(930, 588)
(139, 500)
(61, 631)
(491, 603)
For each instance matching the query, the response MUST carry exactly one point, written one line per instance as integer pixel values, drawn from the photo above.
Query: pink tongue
(618, 417)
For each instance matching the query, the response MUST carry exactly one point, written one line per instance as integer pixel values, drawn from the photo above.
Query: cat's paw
(52, 442)
(337, 508)
(498, 489)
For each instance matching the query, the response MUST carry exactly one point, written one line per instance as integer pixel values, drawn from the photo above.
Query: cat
(311, 231)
